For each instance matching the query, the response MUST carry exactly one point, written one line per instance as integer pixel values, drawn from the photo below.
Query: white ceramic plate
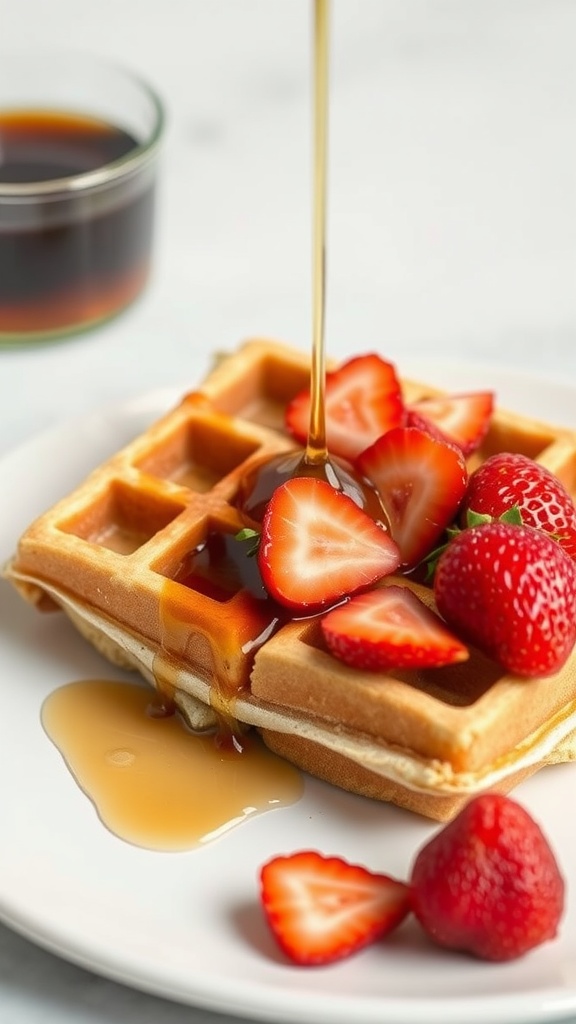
(188, 926)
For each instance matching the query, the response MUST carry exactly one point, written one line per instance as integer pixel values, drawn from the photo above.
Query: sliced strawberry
(416, 419)
(318, 546)
(390, 628)
(363, 400)
(421, 482)
(322, 909)
(463, 419)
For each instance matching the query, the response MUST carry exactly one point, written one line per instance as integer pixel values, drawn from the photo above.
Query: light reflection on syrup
(152, 782)
(265, 475)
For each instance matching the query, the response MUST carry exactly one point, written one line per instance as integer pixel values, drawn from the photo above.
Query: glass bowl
(79, 141)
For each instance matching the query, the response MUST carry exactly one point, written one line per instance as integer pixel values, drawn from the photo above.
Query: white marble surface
(452, 232)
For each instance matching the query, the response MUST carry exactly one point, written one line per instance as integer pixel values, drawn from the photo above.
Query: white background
(452, 233)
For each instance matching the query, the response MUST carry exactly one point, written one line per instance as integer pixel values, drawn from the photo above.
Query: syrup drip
(221, 570)
(153, 783)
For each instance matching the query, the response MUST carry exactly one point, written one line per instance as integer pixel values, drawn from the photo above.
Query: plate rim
(504, 1008)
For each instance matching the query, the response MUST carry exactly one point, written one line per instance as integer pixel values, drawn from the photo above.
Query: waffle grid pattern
(125, 541)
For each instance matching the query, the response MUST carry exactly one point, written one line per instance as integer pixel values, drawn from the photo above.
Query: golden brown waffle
(140, 558)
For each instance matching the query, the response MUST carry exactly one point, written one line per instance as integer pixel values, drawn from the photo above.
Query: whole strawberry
(488, 883)
(510, 479)
(510, 591)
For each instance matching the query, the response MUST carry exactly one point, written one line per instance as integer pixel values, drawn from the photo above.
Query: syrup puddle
(153, 783)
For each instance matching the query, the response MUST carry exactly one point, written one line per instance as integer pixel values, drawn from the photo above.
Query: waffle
(141, 557)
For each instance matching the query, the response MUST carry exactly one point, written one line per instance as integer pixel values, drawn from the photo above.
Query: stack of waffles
(142, 556)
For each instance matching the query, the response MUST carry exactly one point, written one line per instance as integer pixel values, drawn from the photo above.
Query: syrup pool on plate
(154, 783)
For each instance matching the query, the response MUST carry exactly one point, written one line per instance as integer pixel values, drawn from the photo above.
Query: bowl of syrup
(79, 144)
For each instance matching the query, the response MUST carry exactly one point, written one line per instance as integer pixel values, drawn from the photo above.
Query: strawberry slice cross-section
(421, 481)
(463, 419)
(321, 909)
(317, 546)
(390, 627)
(363, 400)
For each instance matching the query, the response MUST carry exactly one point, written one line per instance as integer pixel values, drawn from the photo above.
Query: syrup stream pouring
(260, 482)
(316, 452)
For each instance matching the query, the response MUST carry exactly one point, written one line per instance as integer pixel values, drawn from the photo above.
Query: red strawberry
(462, 419)
(567, 540)
(322, 909)
(511, 479)
(318, 546)
(363, 400)
(390, 627)
(511, 591)
(488, 882)
(421, 482)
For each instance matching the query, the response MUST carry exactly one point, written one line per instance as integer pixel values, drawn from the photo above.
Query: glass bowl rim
(123, 167)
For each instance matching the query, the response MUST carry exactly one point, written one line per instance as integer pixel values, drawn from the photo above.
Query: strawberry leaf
(477, 518)
(431, 560)
(511, 515)
(248, 534)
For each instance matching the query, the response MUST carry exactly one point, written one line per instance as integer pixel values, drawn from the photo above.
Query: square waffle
(143, 559)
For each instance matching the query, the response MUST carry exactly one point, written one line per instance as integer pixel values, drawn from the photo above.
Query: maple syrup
(154, 783)
(264, 477)
(222, 570)
(78, 257)
(150, 779)
(316, 453)
(220, 567)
